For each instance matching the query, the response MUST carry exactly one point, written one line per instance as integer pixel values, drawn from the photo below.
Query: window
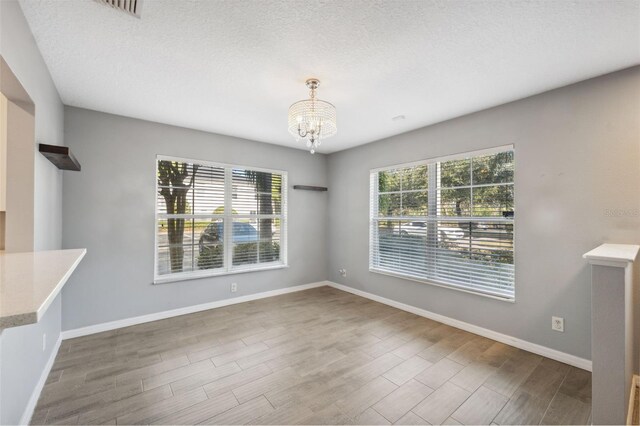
(198, 203)
(447, 221)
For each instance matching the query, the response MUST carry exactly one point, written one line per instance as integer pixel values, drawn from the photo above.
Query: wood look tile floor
(320, 356)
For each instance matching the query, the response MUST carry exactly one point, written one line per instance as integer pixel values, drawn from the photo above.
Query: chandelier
(312, 119)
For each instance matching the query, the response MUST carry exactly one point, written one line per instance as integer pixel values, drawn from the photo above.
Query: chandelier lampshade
(312, 119)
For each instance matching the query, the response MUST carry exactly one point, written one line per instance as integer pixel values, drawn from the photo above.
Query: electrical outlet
(343, 272)
(234, 287)
(557, 324)
(44, 342)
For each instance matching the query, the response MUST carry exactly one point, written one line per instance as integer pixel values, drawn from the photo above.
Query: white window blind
(198, 203)
(447, 221)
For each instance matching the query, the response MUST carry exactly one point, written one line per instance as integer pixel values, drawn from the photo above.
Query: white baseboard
(582, 363)
(585, 364)
(112, 325)
(35, 395)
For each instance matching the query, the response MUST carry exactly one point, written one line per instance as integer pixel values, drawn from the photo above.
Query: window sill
(187, 276)
(442, 284)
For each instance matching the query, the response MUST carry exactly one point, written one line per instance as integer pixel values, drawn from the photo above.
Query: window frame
(374, 217)
(227, 223)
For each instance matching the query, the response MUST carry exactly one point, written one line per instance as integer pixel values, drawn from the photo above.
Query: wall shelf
(60, 156)
(310, 188)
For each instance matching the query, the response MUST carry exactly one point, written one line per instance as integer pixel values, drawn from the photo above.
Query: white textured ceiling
(235, 66)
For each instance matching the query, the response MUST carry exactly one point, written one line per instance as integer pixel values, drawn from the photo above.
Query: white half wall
(24, 359)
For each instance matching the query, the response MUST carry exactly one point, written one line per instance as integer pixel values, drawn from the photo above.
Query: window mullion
(284, 191)
(471, 206)
(401, 198)
(228, 218)
(193, 222)
(374, 246)
(258, 223)
(432, 213)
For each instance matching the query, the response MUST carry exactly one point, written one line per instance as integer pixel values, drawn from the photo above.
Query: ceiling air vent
(132, 7)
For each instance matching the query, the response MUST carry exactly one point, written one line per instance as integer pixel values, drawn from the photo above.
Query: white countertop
(625, 253)
(30, 281)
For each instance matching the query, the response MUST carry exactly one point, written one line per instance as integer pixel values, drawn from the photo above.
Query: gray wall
(22, 357)
(109, 209)
(577, 151)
